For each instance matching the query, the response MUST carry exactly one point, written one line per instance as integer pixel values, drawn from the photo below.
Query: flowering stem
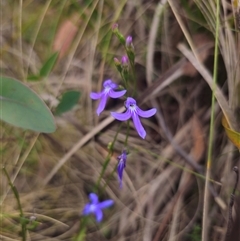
(134, 78)
(16, 194)
(128, 127)
(108, 158)
(110, 176)
(82, 230)
(132, 67)
(124, 80)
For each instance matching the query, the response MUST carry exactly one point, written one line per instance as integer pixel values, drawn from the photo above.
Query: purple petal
(95, 96)
(93, 198)
(102, 104)
(130, 102)
(109, 84)
(105, 204)
(129, 41)
(125, 61)
(146, 113)
(123, 156)
(121, 116)
(116, 94)
(120, 169)
(138, 126)
(87, 209)
(99, 215)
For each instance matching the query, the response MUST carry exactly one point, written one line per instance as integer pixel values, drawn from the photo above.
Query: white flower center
(132, 107)
(92, 208)
(107, 89)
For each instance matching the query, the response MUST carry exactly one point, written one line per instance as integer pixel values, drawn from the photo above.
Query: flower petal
(102, 104)
(99, 215)
(105, 204)
(93, 198)
(146, 113)
(87, 209)
(120, 169)
(130, 102)
(95, 96)
(109, 84)
(116, 94)
(121, 116)
(138, 126)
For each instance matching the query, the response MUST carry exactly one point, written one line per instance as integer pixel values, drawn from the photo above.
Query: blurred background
(164, 181)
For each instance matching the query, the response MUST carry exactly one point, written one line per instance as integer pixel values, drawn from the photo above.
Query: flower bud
(116, 61)
(129, 42)
(115, 28)
(118, 64)
(124, 61)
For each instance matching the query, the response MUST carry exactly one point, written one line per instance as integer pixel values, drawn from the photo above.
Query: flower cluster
(132, 110)
(113, 90)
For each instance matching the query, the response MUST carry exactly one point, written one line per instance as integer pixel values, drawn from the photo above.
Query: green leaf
(33, 77)
(48, 66)
(68, 101)
(21, 107)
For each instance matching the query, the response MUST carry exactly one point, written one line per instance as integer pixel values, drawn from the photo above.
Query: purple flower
(121, 165)
(108, 90)
(134, 111)
(95, 207)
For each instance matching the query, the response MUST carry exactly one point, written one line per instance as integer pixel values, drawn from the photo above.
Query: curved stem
(16, 194)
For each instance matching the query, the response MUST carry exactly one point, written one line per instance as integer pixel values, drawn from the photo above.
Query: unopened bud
(129, 42)
(124, 61)
(115, 28)
(116, 61)
(118, 64)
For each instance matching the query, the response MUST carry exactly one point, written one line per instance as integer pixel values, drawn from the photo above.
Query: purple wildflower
(121, 165)
(134, 111)
(95, 207)
(108, 90)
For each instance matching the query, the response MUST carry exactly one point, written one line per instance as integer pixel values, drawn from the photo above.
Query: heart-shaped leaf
(21, 107)
(233, 136)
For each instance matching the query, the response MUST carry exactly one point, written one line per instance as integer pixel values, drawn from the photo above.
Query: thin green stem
(211, 132)
(110, 176)
(108, 158)
(127, 135)
(82, 230)
(16, 194)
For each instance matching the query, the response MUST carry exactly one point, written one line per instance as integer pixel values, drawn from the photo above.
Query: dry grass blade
(207, 76)
(152, 39)
(79, 144)
(45, 9)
